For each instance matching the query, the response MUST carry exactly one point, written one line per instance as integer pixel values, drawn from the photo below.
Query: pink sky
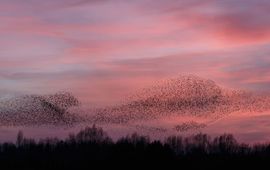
(103, 50)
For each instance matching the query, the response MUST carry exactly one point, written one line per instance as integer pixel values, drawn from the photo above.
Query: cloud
(228, 22)
(132, 43)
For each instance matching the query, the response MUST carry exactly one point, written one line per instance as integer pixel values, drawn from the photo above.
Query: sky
(104, 50)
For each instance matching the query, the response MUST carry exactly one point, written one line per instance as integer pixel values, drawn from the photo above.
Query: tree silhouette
(20, 138)
(92, 144)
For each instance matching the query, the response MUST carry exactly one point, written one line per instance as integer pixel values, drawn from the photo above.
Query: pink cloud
(158, 40)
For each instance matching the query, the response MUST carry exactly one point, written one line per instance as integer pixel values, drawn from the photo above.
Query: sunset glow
(104, 51)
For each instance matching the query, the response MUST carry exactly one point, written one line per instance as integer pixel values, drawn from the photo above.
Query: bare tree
(20, 138)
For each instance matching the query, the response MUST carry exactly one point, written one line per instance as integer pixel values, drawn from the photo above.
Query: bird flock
(184, 95)
(181, 96)
(39, 110)
(188, 126)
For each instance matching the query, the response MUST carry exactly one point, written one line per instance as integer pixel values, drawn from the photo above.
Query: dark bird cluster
(189, 125)
(39, 110)
(182, 96)
(185, 95)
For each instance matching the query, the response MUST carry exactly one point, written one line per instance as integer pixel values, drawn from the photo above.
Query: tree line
(92, 145)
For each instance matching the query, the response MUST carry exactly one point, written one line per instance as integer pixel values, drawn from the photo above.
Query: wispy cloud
(133, 43)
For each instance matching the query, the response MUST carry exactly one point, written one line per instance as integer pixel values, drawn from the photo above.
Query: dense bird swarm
(184, 95)
(39, 110)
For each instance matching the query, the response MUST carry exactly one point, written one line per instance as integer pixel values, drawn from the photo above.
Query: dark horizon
(92, 145)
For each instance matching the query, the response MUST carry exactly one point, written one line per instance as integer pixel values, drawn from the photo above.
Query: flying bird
(38, 110)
